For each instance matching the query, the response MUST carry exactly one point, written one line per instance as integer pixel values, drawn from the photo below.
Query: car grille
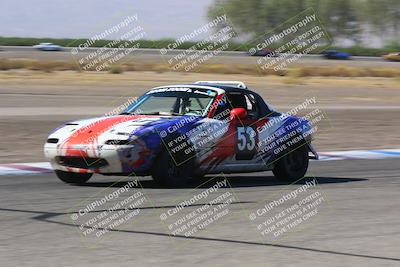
(81, 162)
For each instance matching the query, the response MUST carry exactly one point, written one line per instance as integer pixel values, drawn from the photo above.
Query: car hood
(121, 127)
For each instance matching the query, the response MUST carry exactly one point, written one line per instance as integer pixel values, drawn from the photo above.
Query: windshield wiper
(141, 113)
(161, 113)
(149, 113)
(169, 113)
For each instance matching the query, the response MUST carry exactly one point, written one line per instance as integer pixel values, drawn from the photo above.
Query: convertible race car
(48, 47)
(177, 133)
(333, 54)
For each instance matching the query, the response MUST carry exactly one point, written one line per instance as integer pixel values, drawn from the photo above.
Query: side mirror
(238, 113)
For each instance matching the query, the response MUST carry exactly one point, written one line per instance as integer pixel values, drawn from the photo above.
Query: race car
(177, 133)
(333, 54)
(265, 52)
(392, 56)
(48, 47)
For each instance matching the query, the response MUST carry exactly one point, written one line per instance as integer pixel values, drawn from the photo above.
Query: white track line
(44, 167)
(360, 154)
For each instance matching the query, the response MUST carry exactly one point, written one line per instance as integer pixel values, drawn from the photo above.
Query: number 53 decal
(246, 143)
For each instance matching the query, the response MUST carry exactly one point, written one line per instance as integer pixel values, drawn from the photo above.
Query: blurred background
(358, 24)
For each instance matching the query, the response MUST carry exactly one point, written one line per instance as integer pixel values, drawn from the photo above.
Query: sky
(85, 18)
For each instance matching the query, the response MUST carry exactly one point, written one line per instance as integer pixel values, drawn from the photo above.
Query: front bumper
(91, 160)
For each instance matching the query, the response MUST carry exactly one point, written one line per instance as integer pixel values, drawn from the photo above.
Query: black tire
(167, 172)
(293, 165)
(72, 177)
(198, 176)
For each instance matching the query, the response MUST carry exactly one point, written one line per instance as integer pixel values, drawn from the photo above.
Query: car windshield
(187, 102)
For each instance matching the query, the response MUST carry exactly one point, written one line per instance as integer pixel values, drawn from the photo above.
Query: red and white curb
(25, 168)
(360, 154)
(44, 167)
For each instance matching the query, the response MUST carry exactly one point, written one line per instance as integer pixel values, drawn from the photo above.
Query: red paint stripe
(88, 135)
(214, 106)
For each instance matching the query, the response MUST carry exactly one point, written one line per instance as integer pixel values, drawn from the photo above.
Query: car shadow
(234, 181)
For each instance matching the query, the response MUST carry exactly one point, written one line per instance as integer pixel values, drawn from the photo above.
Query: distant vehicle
(392, 56)
(48, 47)
(264, 52)
(333, 54)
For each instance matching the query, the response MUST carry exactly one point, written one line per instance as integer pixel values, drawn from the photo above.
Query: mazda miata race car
(176, 133)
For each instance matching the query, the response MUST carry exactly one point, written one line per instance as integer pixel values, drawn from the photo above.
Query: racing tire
(73, 178)
(167, 172)
(293, 165)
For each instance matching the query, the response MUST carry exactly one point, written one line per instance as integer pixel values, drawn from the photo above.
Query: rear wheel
(72, 177)
(292, 166)
(168, 172)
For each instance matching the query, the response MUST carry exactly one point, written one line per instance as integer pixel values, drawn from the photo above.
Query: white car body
(48, 47)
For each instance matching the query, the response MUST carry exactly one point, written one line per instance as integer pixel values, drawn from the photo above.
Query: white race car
(48, 47)
(179, 132)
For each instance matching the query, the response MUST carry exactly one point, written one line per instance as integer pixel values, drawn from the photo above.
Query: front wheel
(292, 166)
(168, 172)
(72, 177)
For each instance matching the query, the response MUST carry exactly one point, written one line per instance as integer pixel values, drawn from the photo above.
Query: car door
(240, 143)
(246, 135)
(238, 147)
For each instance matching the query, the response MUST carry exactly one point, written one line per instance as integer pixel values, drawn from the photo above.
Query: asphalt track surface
(154, 56)
(357, 226)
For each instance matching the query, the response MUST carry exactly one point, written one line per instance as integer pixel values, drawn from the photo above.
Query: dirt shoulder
(277, 90)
